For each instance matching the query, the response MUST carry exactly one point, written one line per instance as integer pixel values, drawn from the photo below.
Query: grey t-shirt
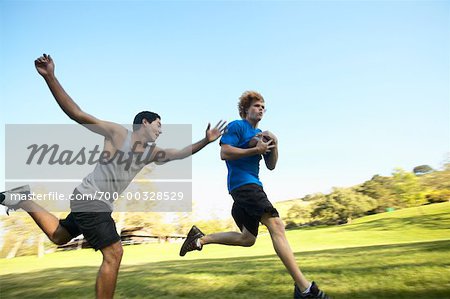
(109, 179)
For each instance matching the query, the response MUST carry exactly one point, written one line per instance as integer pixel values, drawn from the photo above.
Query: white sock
(307, 289)
(199, 245)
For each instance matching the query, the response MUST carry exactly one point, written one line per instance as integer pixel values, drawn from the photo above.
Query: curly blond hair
(246, 100)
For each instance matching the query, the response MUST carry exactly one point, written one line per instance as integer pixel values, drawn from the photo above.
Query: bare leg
(230, 238)
(48, 223)
(283, 250)
(107, 274)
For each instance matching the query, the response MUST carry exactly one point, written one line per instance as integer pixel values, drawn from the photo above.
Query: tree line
(423, 185)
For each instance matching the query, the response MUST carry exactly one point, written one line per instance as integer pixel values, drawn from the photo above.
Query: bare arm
(176, 154)
(45, 67)
(229, 152)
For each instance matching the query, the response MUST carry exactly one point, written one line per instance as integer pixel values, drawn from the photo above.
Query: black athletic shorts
(250, 204)
(98, 228)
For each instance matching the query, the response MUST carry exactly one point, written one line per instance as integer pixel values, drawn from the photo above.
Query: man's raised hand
(216, 132)
(44, 65)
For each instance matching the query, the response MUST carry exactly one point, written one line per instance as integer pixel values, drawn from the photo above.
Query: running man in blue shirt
(242, 147)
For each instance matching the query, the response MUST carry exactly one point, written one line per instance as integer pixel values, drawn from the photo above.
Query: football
(256, 138)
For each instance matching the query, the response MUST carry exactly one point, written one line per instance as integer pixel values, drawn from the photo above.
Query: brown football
(254, 140)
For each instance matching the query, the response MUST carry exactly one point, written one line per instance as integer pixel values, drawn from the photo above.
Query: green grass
(401, 254)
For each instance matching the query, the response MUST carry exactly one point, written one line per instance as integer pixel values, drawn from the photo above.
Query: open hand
(265, 147)
(216, 132)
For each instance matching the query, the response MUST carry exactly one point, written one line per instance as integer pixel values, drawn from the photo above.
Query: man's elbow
(75, 116)
(79, 116)
(271, 165)
(224, 155)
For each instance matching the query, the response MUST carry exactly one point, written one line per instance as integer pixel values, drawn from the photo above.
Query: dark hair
(149, 116)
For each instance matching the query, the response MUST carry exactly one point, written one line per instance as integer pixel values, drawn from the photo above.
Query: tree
(151, 220)
(379, 188)
(21, 235)
(342, 205)
(436, 196)
(298, 214)
(216, 225)
(183, 222)
(437, 180)
(313, 197)
(422, 169)
(408, 190)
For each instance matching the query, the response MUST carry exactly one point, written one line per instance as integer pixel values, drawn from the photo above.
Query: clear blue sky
(352, 89)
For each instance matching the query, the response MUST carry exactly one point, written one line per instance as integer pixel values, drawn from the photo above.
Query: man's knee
(57, 240)
(113, 253)
(248, 240)
(61, 236)
(275, 225)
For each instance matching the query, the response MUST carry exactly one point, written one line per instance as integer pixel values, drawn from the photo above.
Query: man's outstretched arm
(46, 67)
(211, 135)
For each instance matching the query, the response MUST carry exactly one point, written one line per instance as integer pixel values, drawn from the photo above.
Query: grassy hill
(400, 254)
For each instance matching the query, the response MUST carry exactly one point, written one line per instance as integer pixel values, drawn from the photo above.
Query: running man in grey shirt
(98, 227)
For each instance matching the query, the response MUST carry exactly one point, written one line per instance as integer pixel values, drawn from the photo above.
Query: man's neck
(138, 141)
(252, 122)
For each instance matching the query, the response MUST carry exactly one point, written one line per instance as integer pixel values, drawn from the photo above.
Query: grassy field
(401, 254)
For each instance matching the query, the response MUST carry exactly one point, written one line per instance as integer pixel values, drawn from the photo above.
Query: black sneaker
(11, 198)
(192, 241)
(314, 293)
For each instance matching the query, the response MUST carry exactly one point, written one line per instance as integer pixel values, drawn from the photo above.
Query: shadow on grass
(388, 271)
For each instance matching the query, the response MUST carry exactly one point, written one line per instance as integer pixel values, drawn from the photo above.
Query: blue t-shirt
(245, 170)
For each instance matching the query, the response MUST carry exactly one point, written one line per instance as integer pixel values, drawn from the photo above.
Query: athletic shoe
(314, 293)
(192, 241)
(11, 198)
